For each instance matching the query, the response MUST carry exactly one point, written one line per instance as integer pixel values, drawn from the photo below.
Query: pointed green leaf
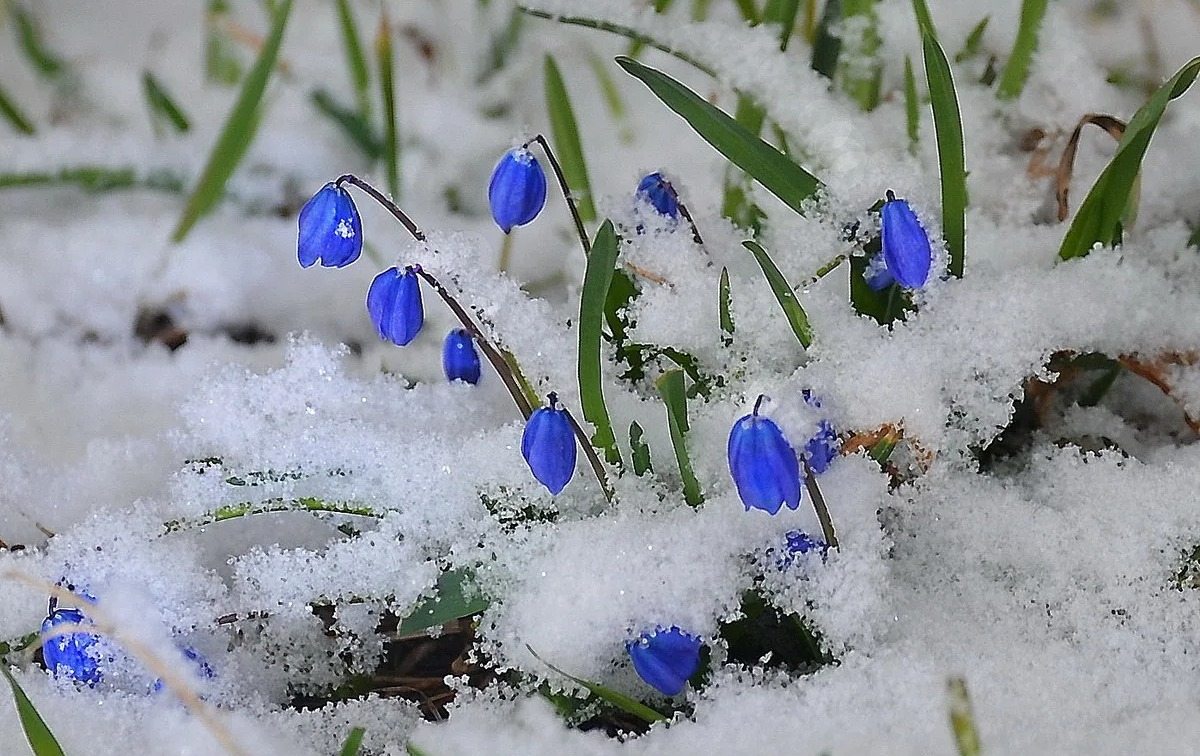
(782, 12)
(670, 385)
(566, 140)
(912, 114)
(723, 302)
(29, 40)
(974, 41)
(387, 94)
(353, 742)
(796, 317)
(41, 741)
(356, 59)
(162, 106)
(597, 278)
(641, 452)
(1012, 81)
(827, 45)
(952, 161)
(13, 114)
(455, 597)
(620, 700)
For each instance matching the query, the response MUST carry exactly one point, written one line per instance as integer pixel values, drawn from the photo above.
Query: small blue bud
(394, 303)
(822, 449)
(330, 229)
(799, 543)
(201, 669)
(656, 190)
(548, 445)
(905, 245)
(763, 464)
(460, 361)
(76, 656)
(517, 192)
(665, 659)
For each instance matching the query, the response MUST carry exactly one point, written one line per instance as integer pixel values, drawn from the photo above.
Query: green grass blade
(859, 70)
(623, 702)
(952, 161)
(912, 113)
(13, 114)
(641, 452)
(356, 128)
(353, 742)
(455, 597)
(41, 741)
(95, 179)
(637, 45)
(782, 12)
(827, 45)
(796, 317)
(723, 302)
(924, 18)
(620, 30)
(413, 750)
(671, 386)
(29, 40)
(1016, 71)
(749, 11)
(565, 131)
(974, 41)
(387, 92)
(767, 165)
(1098, 219)
(356, 59)
(962, 720)
(163, 108)
(238, 131)
(221, 63)
(601, 265)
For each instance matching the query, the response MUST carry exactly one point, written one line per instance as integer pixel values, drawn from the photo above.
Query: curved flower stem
(566, 190)
(818, 500)
(688, 217)
(378, 196)
(589, 451)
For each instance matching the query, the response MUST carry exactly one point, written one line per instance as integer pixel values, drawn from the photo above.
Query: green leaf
(597, 278)
(827, 46)
(162, 106)
(962, 720)
(885, 306)
(924, 19)
(623, 702)
(974, 41)
(636, 46)
(1012, 81)
(641, 452)
(618, 29)
(723, 302)
(455, 597)
(912, 115)
(353, 742)
(1098, 219)
(95, 179)
(859, 70)
(238, 130)
(795, 314)
(13, 114)
(41, 741)
(356, 59)
(221, 63)
(566, 140)
(767, 165)
(952, 162)
(29, 40)
(357, 129)
(782, 12)
(670, 385)
(387, 93)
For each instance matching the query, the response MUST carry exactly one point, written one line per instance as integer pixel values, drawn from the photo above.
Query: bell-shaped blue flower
(394, 303)
(460, 361)
(763, 464)
(665, 659)
(906, 250)
(822, 449)
(330, 229)
(548, 445)
(656, 190)
(517, 192)
(77, 655)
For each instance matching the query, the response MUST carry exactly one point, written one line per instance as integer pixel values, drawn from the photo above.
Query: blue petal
(548, 445)
(201, 669)
(799, 542)
(460, 361)
(822, 449)
(656, 190)
(665, 659)
(906, 248)
(877, 275)
(517, 192)
(763, 465)
(76, 656)
(394, 303)
(330, 229)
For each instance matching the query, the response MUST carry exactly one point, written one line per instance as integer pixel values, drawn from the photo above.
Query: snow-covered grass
(216, 445)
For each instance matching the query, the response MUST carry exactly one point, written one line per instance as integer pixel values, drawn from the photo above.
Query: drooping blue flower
(798, 543)
(394, 303)
(665, 659)
(460, 361)
(656, 190)
(763, 464)
(548, 445)
(822, 449)
(906, 248)
(330, 229)
(76, 656)
(517, 192)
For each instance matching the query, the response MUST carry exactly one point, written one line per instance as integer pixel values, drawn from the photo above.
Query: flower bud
(656, 190)
(330, 229)
(394, 303)
(906, 250)
(763, 464)
(460, 361)
(823, 448)
(548, 445)
(665, 659)
(517, 192)
(77, 655)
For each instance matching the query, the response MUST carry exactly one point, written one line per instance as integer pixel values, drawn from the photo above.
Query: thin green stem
(590, 452)
(378, 196)
(818, 500)
(566, 191)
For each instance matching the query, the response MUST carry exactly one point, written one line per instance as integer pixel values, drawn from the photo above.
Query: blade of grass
(782, 12)
(952, 161)
(237, 132)
(221, 64)
(29, 39)
(912, 114)
(1016, 71)
(387, 91)
(962, 719)
(455, 597)
(1098, 219)
(612, 96)
(356, 59)
(601, 265)
(636, 46)
(620, 700)
(796, 317)
(356, 128)
(767, 165)
(924, 19)
(671, 386)
(41, 740)
(95, 179)
(163, 108)
(618, 29)
(827, 46)
(565, 132)
(749, 11)
(17, 119)
(974, 41)
(353, 742)
(723, 302)
(641, 452)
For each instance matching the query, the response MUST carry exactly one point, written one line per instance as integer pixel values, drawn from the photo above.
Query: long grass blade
(620, 30)
(912, 113)
(952, 161)
(1012, 81)
(221, 64)
(356, 128)
(387, 91)
(356, 59)
(14, 115)
(962, 719)
(640, 450)
(782, 12)
(601, 265)
(1098, 219)
(671, 386)
(29, 39)
(565, 131)
(353, 742)
(163, 108)
(796, 316)
(724, 302)
(637, 45)
(238, 131)
(620, 700)
(767, 165)
(41, 740)
(827, 44)
(96, 179)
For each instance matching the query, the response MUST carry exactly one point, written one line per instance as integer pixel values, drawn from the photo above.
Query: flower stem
(566, 190)
(590, 452)
(378, 196)
(818, 500)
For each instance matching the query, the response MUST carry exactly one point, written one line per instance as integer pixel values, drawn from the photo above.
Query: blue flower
(656, 190)
(665, 659)
(548, 445)
(201, 669)
(76, 656)
(394, 303)
(763, 464)
(906, 249)
(517, 192)
(797, 543)
(822, 449)
(877, 276)
(460, 361)
(330, 229)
